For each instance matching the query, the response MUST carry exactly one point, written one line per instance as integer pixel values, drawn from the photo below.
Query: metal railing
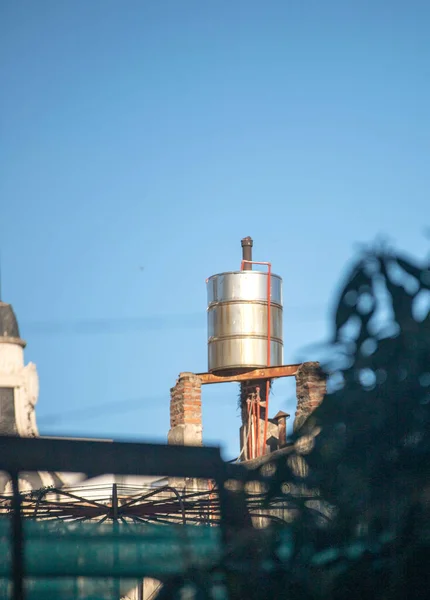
(121, 458)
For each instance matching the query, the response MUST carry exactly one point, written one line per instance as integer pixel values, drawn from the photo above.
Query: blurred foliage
(365, 449)
(369, 450)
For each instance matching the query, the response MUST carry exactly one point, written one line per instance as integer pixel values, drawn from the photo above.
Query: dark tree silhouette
(364, 453)
(366, 449)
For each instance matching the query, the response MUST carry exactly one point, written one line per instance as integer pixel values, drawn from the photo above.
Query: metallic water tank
(237, 321)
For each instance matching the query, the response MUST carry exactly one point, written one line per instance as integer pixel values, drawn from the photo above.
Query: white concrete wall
(25, 383)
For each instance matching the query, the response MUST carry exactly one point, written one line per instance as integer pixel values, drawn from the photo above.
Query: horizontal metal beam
(102, 457)
(266, 373)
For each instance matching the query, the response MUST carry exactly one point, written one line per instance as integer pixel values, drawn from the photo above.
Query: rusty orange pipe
(269, 311)
(269, 358)
(258, 399)
(248, 432)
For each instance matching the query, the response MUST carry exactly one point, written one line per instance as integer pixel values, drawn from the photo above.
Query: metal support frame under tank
(256, 376)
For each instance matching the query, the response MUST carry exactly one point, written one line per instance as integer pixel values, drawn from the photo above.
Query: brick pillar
(186, 411)
(310, 391)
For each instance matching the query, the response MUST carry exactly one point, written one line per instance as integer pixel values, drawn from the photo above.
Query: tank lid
(244, 273)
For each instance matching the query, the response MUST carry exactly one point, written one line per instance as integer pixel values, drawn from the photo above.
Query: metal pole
(246, 265)
(247, 253)
(114, 513)
(17, 541)
(114, 502)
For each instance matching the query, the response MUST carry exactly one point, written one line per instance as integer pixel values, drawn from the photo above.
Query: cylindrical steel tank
(237, 321)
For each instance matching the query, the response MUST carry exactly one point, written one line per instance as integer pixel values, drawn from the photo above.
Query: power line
(97, 410)
(103, 326)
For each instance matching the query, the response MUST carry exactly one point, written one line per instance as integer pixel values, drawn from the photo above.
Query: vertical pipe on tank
(248, 415)
(247, 253)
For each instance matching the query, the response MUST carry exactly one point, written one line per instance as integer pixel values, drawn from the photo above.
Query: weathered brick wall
(186, 411)
(310, 390)
(186, 423)
(185, 401)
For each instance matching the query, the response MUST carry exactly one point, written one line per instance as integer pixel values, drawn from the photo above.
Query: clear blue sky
(156, 134)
